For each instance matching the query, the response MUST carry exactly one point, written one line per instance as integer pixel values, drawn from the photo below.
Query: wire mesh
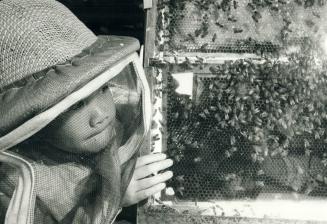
(239, 26)
(253, 128)
(242, 136)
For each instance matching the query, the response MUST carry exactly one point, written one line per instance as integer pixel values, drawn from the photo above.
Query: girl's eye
(78, 105)
(105, 88)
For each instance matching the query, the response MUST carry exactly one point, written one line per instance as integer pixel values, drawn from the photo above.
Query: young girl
(74, 113)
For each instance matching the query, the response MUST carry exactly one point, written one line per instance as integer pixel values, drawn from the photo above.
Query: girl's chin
(99, 142)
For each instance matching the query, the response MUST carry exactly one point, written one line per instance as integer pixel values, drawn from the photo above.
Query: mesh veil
(93, 183)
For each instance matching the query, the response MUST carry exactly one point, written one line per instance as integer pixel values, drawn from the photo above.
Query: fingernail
(163, 185)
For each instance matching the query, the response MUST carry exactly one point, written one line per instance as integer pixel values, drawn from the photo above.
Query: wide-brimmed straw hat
(47, 57)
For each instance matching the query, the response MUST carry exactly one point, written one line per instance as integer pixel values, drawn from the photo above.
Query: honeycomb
(240, 26)
(215, 149)
(254, 128)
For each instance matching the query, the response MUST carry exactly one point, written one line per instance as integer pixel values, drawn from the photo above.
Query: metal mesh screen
(253, 127)
(239, 26)
(227, 142)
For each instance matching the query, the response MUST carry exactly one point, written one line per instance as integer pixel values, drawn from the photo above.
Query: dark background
(110, 17)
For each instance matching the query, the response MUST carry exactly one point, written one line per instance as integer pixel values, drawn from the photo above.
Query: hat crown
(35, 35)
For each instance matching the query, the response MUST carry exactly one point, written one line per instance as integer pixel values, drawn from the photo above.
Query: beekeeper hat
(49, 60)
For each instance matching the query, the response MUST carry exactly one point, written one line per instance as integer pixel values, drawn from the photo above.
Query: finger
(141, 195)
(152, 168)
(151, 158)
(151, 181)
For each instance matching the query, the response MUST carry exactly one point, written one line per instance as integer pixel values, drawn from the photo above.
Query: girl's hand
(143, 183)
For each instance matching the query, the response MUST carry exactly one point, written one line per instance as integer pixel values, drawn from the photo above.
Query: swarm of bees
(247, 110)
(222, 16)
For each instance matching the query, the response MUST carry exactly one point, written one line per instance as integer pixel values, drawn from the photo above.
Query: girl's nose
(98, 116)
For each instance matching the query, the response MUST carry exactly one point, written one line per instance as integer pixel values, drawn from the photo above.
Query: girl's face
(88, 127)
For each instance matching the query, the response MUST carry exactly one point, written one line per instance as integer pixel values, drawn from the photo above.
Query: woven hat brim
(42, 90)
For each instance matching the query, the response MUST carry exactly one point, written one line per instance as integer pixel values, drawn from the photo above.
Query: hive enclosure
(243, 91)
(239, 26)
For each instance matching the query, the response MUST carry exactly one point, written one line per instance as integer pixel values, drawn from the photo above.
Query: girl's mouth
(106, 126)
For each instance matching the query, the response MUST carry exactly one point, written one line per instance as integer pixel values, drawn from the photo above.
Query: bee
(202, 115)
(217, 117)
(308, 3)
(205, 33)
(180, 178)
(155, 137)
(232, 18)
(214, 37)
(219, 24)
(176, 115)
(306, 143)
(180, 190)
(197, 159)
(197, 32)
(316, 14)
(260, 183)
(256, 16)
(251, 6)
(154, 124)
(275, 6)
(178, 157)
(213, 108)
(237, 30)
(204, 46)
(190, 37)
(232, 140)
(228, 154)
(260, 172)
(235, 4)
